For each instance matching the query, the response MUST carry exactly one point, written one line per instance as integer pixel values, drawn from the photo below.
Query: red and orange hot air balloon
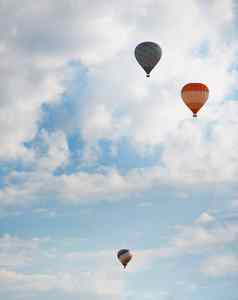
(194, 96)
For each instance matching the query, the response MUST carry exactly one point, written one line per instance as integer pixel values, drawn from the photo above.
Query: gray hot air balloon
(148, 55)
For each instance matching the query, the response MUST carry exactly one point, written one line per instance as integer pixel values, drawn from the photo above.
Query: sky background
(95, 157)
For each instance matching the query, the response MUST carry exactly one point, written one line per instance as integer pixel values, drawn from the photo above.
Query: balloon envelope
(124, 256)
(148, 55)
(195, 96)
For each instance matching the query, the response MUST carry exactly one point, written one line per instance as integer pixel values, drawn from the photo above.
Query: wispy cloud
(205, 218)
(220, 265)
(16, 252)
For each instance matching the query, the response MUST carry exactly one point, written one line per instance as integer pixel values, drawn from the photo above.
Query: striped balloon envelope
(195, 96)
(124, 256)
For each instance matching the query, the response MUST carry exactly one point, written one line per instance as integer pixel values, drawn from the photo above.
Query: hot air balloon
(148, 55)
(124, 256)
(194, 96)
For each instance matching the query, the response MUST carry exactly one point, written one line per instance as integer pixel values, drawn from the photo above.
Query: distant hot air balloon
(194, 96)
(148, 55)
(124, 256)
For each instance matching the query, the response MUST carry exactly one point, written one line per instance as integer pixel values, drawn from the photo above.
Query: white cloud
(24, 87)
(191, 240)
(39, 42)
(80, 187)
(219, 266)
(33, 267)
(205, 218)
(154, 113)
(37, 45)
(57, 153)
(16, 252)
(197, 239)
(70, 283)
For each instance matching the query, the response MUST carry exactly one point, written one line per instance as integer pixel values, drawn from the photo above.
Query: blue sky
(94, 157)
